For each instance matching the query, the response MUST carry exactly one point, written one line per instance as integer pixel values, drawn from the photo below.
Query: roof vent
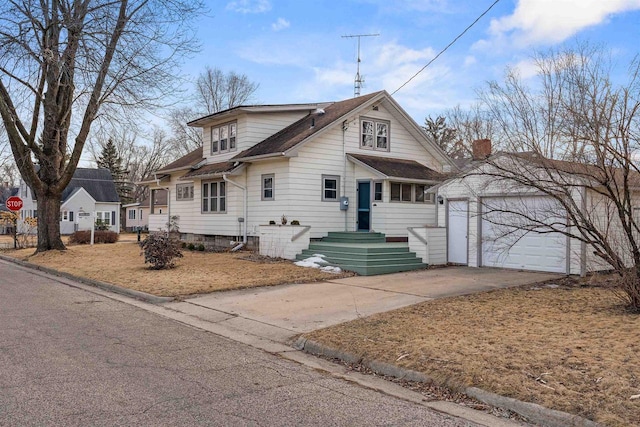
(313, 122)
(318, 111)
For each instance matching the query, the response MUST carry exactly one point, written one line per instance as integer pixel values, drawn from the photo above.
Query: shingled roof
(97, 182)
(184, 162)
(399, 168)
(212, 169)
(297, 132)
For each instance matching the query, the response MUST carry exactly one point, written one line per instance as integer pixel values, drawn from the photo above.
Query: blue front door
(364, 206)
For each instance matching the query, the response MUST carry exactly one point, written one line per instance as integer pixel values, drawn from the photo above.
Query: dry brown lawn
(198, 272)
(572, 348)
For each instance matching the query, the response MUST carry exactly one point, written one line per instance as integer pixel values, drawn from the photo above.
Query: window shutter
(70, 216)
(113, 217)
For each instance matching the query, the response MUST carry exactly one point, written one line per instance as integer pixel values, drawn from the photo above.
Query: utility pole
(357, 85)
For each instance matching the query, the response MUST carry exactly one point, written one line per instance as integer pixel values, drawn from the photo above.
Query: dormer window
(374, 134)
(223, 138)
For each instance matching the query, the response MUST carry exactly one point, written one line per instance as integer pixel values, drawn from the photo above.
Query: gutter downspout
(245, 210)
(345, 126)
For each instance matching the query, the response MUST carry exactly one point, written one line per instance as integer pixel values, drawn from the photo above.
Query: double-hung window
(184, 191)
(223, 138)
(268, 182)
(374, 134)
(330, 188)
(214, 197)
(132, 214)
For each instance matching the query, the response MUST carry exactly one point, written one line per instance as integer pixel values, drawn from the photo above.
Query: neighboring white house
(137, 214)
(356, 165)
(90, 192)
(487, 217)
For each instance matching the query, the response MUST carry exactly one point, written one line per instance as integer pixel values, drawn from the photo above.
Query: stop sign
(14, 203)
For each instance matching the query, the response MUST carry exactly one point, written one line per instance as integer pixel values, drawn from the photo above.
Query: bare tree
(214, 91)
(217, 91)
(62, 58)
(470, 125)
(576, 137)
(441, 133)
(141, 155)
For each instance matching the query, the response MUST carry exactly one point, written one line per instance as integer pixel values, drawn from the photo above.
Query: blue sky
(294, 48)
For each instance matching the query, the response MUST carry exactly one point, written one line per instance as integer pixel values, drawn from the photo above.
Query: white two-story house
(360, 164)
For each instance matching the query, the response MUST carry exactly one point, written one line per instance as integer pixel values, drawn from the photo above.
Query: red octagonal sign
(14, 203)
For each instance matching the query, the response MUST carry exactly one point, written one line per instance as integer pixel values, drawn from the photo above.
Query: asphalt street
(73, 357)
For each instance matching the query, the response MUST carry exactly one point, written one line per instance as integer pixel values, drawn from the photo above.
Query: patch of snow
(317, 261)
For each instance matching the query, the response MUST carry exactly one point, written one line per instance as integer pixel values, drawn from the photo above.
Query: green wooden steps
(367, 254)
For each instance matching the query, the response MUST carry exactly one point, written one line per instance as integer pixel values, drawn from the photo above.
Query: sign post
(14, 204)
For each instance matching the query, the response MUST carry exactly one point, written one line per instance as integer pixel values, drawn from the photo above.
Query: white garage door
(505, 244)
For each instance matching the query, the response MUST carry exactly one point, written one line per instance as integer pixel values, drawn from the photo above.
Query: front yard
(198, 272)
(567, 346)
(571, 348)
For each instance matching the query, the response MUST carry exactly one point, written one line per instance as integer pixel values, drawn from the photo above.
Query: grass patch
(570, 348)
(198, 272)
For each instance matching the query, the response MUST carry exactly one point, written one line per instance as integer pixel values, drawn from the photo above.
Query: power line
(448, 46)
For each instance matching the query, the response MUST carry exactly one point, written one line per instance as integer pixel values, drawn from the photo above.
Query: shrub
(160, 250)
(191, 246)
(101, 225)
(295, 222)
(184, 245)
(84, 237)
(201, 247)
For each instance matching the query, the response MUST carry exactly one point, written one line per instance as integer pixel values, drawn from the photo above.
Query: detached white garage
(509, 237)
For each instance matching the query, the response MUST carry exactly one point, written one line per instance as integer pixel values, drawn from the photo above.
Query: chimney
(481, 149)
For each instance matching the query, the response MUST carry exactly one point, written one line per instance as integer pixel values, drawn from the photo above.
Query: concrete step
(354, 237)
(365, 253)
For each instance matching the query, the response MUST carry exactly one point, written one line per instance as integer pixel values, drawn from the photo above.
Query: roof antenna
(359, 80)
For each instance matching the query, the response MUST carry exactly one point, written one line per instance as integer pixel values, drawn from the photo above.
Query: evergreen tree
(110, 159)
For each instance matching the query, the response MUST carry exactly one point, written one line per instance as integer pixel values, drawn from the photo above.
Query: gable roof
(97, 182)
(311, 124)
(402, 169)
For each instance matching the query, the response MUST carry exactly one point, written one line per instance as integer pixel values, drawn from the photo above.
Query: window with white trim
(330, 188)
(374, 134)
(214, 197)
(377, 191)
(104, 218)
(410, 193)
(223, 138)
(132, 214)
(184, 191)
(65, 215)
(268, 183)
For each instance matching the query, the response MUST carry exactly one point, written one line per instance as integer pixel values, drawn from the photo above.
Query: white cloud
(280, 24)
(249, 6)
(552, 21)
(470, 60)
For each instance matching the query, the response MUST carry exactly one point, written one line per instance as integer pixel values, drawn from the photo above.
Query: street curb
(142, 296)
(535, 413)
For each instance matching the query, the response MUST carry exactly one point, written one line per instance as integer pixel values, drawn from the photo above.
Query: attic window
(374, 135)
(224, 138)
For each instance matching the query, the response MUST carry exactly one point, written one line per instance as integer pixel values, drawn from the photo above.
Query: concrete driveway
(279, 313)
